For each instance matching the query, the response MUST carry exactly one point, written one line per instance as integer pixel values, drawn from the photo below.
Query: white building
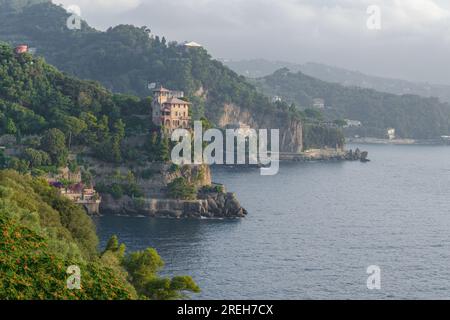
(192, 44)
(391, 133)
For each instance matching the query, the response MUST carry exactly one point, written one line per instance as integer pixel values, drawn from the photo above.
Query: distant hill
(258, 68)
(411, 115)
(261, 68)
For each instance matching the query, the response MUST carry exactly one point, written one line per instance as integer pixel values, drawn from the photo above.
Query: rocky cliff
(291, 130)
(212, 200)
(208, 205)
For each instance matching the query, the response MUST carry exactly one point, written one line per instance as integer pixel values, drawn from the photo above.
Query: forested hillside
(258, 68)
(412, 116)
(42, 234)
(126, 59)
(47, 114)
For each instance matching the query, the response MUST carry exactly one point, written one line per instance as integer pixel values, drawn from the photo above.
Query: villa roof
(176, 101)
(192, 44)
(161, 89)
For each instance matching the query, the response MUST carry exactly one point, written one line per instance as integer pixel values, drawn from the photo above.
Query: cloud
(101, 6)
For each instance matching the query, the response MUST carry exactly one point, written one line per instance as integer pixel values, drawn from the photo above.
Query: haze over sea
(313, 229)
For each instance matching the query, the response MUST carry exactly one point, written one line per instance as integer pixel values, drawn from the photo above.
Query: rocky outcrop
(199, 175)
(211, 201)
(208, 205)
(291, 130)
(357, 155)
(222, 205)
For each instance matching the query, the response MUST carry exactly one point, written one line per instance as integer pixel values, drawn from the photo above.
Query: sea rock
(356, 155)
(363, 157)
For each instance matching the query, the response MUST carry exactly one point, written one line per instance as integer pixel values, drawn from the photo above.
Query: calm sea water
(313, 230)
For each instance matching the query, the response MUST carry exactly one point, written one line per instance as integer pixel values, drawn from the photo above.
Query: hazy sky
(413, 43)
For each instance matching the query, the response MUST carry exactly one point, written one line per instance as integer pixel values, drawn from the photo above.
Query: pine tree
(164, 148)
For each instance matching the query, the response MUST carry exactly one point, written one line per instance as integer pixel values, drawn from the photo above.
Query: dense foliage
(57, 113)
(180, 188)
(411, 116)
(317, 136)
(42, 234)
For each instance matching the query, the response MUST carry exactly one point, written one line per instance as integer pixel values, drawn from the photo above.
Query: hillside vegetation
(42, 234)
(258, 68)
(412, 116)
(47, 114)
(126, 59)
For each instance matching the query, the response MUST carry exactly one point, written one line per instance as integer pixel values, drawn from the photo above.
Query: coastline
(326, 154)
(437, 142)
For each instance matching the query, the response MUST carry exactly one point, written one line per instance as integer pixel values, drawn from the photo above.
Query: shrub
(180, 188)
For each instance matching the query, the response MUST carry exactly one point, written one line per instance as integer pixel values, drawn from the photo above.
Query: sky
(412, 41)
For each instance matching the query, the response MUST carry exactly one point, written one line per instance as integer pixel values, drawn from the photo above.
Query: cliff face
(199, 175)
(156, 203)
(209, 205)
(291, 131)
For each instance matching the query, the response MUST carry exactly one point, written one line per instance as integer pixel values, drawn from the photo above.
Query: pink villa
(169, 111)
(21, 49)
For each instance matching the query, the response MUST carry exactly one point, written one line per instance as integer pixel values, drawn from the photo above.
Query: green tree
(163, 148)
(151, 147)
(36, 158)
(113, 243)
(116, 141)
(144, 266)
(180, 188)
(54, 143)
(11, 127)
(72, 126)
(314, 114)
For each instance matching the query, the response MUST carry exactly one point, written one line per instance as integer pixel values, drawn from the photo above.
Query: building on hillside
(169, 111)
(192, 44)
(391, 133)
(21, 49)
(78, 193)
(319, 103)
